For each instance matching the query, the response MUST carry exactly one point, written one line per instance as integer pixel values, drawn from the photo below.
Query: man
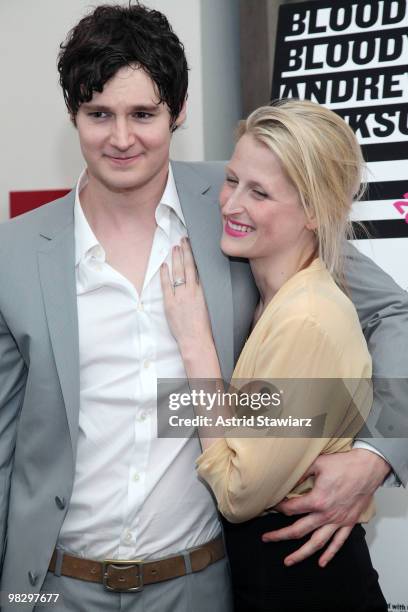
(83, 339)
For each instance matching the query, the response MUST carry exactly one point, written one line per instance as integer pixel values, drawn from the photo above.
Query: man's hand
(344, 485)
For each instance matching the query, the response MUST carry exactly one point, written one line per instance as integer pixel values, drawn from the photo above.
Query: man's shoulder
(205, 168)
(212, 172)
(46, 218)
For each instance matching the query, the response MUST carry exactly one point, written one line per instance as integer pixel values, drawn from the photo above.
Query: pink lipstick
(234, 231)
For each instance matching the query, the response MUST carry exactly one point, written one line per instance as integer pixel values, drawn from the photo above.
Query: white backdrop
(39, 148)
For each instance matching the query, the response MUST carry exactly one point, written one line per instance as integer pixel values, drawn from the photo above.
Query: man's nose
(122, 136)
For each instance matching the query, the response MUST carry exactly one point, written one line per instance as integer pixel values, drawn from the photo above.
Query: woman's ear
(311, 224)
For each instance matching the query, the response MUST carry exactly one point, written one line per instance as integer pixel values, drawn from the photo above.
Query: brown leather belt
(131, 575)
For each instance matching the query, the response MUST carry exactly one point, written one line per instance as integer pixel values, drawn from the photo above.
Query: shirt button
(136, 477)
(128, 536)
(140, 307)
(146, 363)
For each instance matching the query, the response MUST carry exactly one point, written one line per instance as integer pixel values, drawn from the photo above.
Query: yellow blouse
(309, 330)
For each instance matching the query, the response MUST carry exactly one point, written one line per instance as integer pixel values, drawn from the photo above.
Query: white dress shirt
(134, 495)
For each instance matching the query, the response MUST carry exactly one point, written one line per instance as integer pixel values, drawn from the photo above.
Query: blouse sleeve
(249, 475)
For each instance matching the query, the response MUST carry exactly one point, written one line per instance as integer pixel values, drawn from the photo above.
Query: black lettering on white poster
(352, 56)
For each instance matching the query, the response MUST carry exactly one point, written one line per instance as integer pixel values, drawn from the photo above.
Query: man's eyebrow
(137, 108)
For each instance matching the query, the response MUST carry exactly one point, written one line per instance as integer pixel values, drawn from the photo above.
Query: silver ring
(178, 282)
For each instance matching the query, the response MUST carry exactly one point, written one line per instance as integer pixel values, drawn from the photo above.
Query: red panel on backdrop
(23, 201)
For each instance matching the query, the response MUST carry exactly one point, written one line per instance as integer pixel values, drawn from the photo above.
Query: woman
(285, 204)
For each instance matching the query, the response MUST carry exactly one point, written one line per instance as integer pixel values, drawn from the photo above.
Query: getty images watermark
(216, 403)
(277, 408)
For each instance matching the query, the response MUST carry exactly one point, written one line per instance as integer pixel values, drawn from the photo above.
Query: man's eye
(231, 180)
(142, 115)
(98, 115)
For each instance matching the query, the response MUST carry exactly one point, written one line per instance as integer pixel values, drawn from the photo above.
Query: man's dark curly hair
(113, 36)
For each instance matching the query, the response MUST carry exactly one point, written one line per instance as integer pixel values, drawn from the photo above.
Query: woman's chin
(232, 250)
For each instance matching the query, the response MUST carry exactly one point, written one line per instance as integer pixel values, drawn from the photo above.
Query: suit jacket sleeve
(382, 307)
(13, 377)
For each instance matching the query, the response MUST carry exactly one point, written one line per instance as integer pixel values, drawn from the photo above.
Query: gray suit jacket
(39, 362)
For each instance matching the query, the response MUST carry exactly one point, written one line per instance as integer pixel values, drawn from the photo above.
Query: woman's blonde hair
(321, 156)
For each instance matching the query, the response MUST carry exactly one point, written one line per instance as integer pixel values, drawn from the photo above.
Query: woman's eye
(260, 194)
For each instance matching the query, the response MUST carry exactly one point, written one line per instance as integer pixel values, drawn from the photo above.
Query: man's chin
(121, 184)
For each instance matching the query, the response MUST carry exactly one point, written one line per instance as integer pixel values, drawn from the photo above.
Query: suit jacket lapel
(199, 202)
(56, 259)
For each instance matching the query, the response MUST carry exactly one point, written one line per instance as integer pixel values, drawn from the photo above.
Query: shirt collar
(170, 196)
(85, 239)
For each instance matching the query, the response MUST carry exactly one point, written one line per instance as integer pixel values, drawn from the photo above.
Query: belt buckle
(117, 564)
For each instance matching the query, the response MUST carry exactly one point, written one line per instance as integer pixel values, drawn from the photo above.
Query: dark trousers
(261, 582)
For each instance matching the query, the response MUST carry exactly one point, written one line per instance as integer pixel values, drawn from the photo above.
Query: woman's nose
(233, 203)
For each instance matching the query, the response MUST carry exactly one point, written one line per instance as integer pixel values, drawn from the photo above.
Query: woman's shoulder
(313, 299)
(310, 328)
(327, 303)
